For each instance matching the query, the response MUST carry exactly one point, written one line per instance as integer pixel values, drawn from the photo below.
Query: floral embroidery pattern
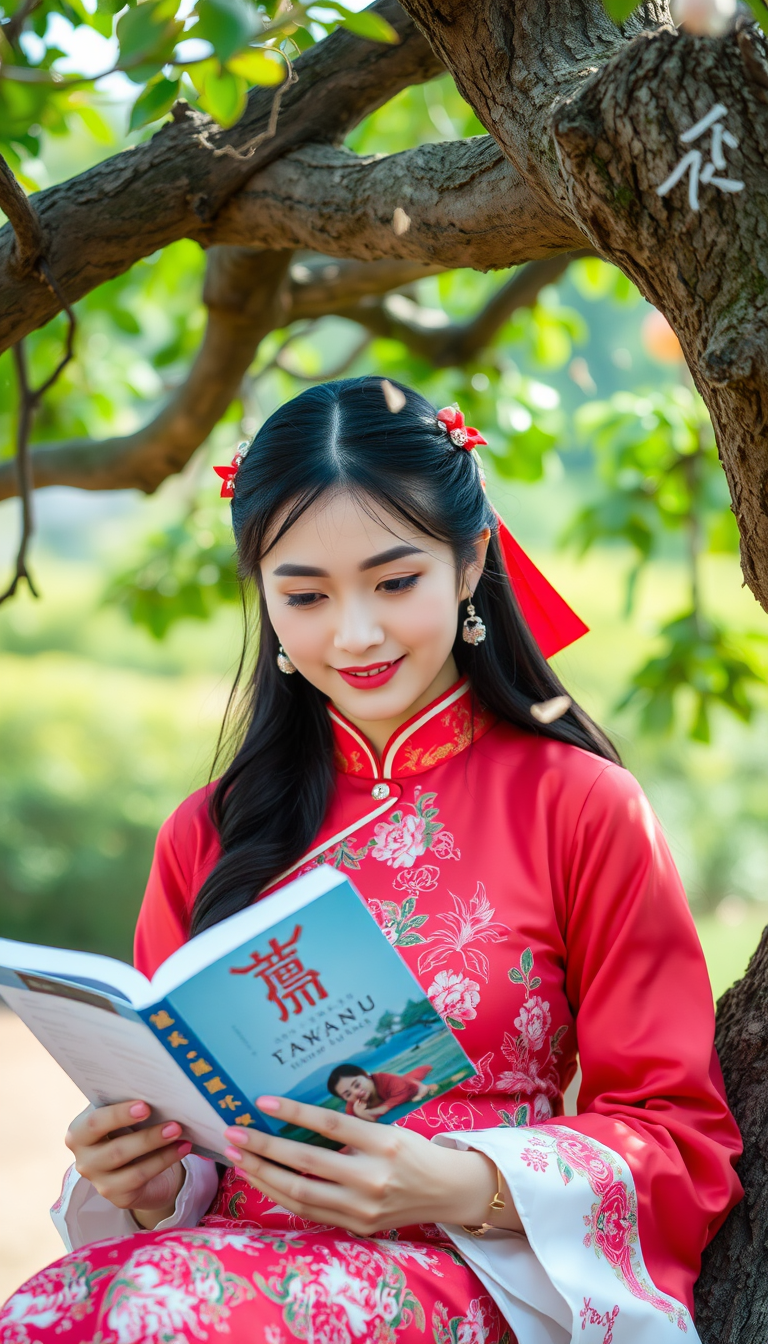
(469, 922)
(482, 1081)
(54, 1297)
(356, 1294)
(454, 997)
(403, 839)
(475, 1327)
(416, 880)
(589, 1316)
(398, 923)
(531, 1074)
(169, 1291)
(612, 1221)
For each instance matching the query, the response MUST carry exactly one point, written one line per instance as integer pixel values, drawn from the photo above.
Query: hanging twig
(290, 78)
(29, 238)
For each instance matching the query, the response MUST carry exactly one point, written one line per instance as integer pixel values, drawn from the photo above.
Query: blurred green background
(601, 458)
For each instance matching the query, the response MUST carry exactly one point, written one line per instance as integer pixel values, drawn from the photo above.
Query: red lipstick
(368, 678)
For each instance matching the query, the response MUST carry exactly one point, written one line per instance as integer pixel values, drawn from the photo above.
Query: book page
(85, 967)
(113, 1056)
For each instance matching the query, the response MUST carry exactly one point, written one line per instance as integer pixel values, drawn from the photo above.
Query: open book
(300, 995)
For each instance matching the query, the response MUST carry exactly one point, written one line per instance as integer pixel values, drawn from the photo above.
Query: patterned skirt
(241, 1283)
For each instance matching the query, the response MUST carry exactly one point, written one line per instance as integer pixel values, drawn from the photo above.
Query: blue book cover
(301, 996)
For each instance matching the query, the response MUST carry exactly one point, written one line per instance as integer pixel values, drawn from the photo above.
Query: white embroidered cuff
(81, 1215)
(581, 1264)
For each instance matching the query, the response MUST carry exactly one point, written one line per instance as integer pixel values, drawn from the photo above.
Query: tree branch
(243, 293)
(248, 295)
(23, 220)
(454, 344)
(173, 185)
(462, 204)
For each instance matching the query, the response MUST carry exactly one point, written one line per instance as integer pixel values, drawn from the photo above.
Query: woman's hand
(390, 1178)
(134, 1169)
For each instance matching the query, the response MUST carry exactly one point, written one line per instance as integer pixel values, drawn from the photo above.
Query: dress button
(380, 792)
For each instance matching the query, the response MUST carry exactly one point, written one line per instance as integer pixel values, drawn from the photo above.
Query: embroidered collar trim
(431, 736)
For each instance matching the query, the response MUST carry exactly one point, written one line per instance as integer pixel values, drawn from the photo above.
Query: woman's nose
(357, 631)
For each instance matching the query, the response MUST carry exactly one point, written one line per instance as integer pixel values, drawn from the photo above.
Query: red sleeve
(187, 849)
(636, 977)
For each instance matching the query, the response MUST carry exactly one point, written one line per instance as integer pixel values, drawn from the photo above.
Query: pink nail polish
(268, 1103)
(236, 1136)
(234, 1154)
(140, 1110)
(171, 1130)
(242, 1174)
(183, 1150)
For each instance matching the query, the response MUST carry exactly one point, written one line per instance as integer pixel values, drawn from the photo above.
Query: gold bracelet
(496, 1204)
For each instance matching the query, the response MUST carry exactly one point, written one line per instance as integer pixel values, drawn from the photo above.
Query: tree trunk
(732, 1293)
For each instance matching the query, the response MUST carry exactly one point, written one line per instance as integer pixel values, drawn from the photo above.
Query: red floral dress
(528, 887)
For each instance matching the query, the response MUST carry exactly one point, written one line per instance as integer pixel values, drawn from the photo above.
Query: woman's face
(357, 1088)
(366, 608)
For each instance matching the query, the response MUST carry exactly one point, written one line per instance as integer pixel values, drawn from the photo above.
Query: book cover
(319, 1008)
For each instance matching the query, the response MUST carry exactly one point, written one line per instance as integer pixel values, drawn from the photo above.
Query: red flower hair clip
(229, 473)
(451, 420)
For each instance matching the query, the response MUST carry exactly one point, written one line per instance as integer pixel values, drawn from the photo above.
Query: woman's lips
(368, 678)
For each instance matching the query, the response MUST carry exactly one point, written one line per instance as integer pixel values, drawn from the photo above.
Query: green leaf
(760, 10)
(565, 1171)
(229, 25)
(455, 1023)
(259, 66)
(222, 95)
(515, 976)
(620, 10)
(154, 102)
(150, 31)
(535, 982)
(369, 25)
(526, 961)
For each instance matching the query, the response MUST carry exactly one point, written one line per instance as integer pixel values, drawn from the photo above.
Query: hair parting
(270, 801)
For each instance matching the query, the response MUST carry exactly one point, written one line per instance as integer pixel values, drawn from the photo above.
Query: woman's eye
(303, 599)
(400, 585)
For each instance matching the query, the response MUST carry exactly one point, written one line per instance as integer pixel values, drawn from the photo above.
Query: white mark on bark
(701, 173)
(401, 222)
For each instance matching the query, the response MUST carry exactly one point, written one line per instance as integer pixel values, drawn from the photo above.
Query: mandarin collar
(443, 729)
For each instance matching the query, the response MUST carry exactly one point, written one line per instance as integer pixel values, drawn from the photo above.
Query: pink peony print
(400, 843)
(534, 1022)
(613, 1223)
(454, 997)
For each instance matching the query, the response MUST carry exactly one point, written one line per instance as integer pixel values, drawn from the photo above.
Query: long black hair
(269, 803)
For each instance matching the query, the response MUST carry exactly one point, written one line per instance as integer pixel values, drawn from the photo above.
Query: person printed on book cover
(402, 722)
(371, 1095)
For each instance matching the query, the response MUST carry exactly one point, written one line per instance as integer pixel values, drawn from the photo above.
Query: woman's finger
(96, 1122)
(343, 1129)
(302, 1157)
(351, 1216)
(121, 1185)
(127, 1148)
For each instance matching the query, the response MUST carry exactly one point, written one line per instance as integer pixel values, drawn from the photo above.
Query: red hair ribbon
(553, 624)
(461, 435)
(228, 475)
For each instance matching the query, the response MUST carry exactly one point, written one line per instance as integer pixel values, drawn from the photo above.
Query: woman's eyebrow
(386, 557)
(300, 572)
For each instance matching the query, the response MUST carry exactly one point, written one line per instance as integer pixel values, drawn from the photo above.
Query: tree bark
(593, 119)
(732, 1293)
(96, 225)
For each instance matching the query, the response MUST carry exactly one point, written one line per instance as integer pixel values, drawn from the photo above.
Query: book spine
(211, 1081)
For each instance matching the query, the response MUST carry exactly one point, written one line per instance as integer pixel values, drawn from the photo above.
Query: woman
(522, 876)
